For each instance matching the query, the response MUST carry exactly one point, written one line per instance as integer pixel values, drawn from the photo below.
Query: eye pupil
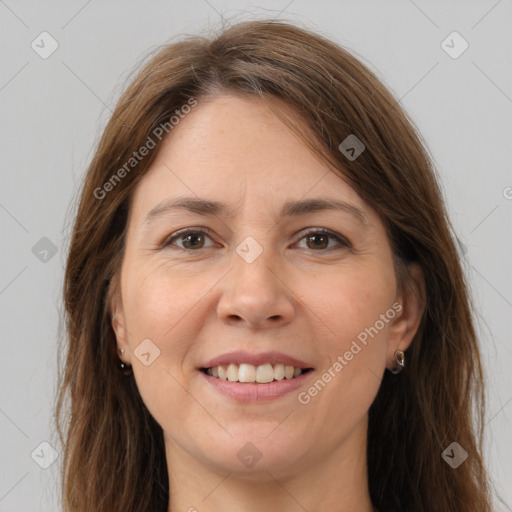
(194, 237)
(316, 237)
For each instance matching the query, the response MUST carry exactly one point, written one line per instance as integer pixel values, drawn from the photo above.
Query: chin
(259, 457)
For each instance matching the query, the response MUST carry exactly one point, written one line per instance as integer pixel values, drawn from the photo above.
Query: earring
(399, 362)
(125, 367)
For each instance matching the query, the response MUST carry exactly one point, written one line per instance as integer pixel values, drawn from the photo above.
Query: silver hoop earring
(399, 362)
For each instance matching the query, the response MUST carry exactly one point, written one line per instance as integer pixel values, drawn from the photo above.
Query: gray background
(53, 110)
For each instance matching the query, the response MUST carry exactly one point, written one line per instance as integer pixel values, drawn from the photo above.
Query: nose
(254, 295)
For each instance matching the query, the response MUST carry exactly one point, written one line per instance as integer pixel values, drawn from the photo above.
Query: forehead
(232, 149)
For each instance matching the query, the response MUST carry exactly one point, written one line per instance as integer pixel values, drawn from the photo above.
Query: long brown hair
(113, 448)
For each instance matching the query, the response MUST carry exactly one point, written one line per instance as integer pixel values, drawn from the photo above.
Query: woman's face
(253, 286)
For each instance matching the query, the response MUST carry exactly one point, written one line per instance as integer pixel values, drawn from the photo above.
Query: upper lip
(240, 357)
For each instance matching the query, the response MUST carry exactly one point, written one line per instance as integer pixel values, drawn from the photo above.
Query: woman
(265, 305)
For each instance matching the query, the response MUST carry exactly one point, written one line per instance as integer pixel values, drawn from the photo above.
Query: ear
(412, 299)
(118, 320)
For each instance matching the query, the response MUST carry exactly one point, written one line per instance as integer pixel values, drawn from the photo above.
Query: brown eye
(193, 241)
(189, 240)
(319, 240)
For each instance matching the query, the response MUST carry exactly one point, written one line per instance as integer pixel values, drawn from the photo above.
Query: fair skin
(305, 296)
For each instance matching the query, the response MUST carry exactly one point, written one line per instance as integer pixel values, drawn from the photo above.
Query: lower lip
(249, 392)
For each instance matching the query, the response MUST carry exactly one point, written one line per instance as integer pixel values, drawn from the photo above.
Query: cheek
(352, 301)
(157, 308)
(358, 313)
(157, 300)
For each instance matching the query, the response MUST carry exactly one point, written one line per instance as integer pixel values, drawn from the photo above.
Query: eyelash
(320, 231)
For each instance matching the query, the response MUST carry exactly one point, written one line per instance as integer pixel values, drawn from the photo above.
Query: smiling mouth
(249, 373)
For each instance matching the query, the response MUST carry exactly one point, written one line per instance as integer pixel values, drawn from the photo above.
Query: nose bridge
(254, 261)
(254, 292)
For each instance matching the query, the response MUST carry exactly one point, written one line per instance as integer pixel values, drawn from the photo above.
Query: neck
(336, 482)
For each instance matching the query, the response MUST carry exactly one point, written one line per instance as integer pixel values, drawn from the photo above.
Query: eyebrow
(214, 208)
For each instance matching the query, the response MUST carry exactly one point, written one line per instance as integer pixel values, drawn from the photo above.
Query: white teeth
(279, 371)
(262, 374)
(247, 373)
(222, 373)
(232, 372)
